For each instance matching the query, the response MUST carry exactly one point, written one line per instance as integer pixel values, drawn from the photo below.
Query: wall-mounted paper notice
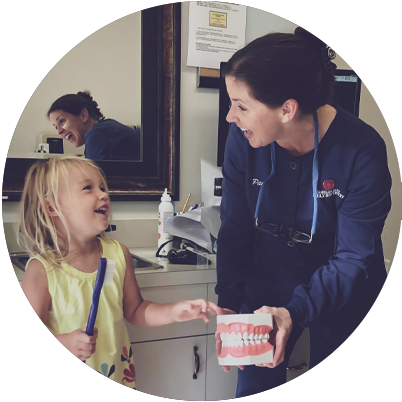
(216, 31)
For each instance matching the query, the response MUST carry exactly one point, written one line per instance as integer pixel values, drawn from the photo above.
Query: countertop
(172, 274)
(168, 275)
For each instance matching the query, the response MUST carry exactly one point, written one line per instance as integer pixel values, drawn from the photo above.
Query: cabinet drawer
(170, 294)
(166, 368)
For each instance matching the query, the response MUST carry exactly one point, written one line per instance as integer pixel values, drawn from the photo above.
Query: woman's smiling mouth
(247, 133)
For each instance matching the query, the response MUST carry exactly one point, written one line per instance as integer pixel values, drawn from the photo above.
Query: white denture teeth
(233, 340)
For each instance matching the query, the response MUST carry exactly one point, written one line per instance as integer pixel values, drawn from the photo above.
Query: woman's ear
(289, 110)
(84, 115)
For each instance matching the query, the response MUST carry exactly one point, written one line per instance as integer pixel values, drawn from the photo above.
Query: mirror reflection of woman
(306, 191)
(78, 120)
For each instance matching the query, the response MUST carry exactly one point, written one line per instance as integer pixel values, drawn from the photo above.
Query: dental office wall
(199, 125)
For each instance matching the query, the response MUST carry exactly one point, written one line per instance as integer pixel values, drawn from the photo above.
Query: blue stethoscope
(315, 176)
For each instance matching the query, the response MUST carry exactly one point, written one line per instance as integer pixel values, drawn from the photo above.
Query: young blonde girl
(64, 212)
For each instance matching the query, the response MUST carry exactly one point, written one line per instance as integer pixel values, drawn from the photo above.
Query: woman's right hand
(218, 341)
(79, 343)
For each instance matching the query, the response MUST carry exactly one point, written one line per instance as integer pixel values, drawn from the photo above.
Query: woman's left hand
(280, 334)
(192, 309)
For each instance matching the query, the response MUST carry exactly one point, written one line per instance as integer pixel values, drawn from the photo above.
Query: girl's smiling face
(71, 128)
(260, 124)
(84, 202)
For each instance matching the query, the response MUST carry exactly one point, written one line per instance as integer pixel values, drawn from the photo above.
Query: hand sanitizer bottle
(165, 213)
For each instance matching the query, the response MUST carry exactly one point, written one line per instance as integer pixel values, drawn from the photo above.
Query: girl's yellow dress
(71, 297)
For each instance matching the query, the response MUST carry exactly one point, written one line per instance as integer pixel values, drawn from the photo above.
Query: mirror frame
(159, 167)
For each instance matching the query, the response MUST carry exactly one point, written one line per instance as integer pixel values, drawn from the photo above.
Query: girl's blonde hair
(41, 191)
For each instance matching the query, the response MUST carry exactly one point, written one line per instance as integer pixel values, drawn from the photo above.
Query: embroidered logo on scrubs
(329, 190)
(328, 185)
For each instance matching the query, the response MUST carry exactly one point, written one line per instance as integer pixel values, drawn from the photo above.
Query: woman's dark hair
(74, 103)
(281, 66)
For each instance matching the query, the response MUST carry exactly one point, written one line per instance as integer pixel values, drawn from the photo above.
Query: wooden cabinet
(164, 357)
(166, 368)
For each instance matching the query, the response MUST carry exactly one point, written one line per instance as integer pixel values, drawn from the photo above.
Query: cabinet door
(166, 368)
(299, 360)
(170, 294)
(219, 385)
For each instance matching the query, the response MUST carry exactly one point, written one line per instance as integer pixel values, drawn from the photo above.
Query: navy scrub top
(312, 281)
(109, 139)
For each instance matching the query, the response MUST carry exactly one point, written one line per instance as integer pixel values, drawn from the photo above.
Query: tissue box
(245, 339)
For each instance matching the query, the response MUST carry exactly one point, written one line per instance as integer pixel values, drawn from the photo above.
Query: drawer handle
(295, 368)
(196, 363)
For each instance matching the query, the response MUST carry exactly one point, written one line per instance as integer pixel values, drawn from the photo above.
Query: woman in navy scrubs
(78, 119)
(306, 191)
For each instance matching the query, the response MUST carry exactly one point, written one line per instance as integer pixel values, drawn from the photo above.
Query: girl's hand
(187, 310)
(79, 343)
(280, 335)
(218, 341)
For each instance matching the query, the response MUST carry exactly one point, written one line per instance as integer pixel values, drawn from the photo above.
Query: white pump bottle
(165, 213)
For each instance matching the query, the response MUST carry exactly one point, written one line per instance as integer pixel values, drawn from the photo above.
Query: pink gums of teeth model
(245, 339)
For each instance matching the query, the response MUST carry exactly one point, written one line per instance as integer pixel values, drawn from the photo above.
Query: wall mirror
(158, 168)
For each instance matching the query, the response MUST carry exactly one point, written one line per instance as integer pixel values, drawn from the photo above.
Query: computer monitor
(347, 96)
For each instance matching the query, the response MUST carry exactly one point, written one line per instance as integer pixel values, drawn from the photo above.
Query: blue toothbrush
(104, 277)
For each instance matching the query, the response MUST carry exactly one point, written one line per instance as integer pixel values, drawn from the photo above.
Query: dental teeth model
(245, 339)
